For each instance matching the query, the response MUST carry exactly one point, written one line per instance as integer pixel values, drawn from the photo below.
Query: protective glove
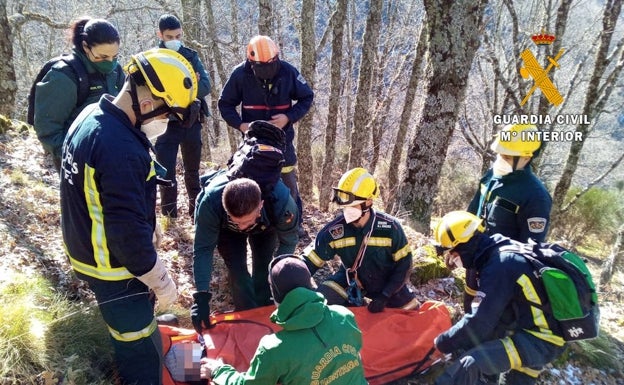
(200, 311)
(161, 283)
(378, 303)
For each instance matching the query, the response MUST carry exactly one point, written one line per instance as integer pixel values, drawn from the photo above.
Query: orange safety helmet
(262, 49)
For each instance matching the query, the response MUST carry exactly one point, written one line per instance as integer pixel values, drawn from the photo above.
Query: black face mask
(266, 71)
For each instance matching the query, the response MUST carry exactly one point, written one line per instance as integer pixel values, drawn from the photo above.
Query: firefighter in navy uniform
(511, 199)
(509, 332)
(264, 86)
(108, 205)
(375, 254)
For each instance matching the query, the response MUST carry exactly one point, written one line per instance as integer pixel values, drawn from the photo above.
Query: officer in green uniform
(511, 199)
(376, 256)
(229, 215)
(318, 344)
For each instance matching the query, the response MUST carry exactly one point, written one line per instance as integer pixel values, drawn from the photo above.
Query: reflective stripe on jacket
(108, 195)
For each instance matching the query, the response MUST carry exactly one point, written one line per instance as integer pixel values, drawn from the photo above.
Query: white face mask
(352, 213)
(501, 167)
(173, 44)
(155, 128)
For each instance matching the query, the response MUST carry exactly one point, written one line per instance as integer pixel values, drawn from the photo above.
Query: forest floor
(30, 242)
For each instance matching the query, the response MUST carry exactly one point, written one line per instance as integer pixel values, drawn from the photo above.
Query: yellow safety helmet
(457, 227)
(355, 185)
(168, 75)
(512, 140)
(262, 49)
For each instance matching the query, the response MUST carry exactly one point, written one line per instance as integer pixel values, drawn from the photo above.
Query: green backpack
(571, 292)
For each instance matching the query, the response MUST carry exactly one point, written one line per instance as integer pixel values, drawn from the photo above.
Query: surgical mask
(352, 213)
(501, 167)
(105, 66)
(173, 44)
(155, 128)
(266, 71)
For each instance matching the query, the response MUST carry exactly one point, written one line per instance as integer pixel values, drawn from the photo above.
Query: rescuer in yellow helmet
(376, 256)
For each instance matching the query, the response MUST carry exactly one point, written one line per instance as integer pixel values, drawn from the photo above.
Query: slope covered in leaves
(31, 243)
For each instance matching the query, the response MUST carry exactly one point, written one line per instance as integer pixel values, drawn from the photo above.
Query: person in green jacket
(318, 343)
(96, 45)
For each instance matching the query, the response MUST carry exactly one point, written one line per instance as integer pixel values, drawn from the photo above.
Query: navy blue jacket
(260, 101)
(108, 195)
(387, 262)
(512, 299)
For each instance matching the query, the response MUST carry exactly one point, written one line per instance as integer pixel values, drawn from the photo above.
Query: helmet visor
(342, 197)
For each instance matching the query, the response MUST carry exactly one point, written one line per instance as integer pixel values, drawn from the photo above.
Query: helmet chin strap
(136, 107)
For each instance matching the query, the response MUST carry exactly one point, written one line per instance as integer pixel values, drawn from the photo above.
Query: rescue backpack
(260, 157)
(571, 292)
(82, 82)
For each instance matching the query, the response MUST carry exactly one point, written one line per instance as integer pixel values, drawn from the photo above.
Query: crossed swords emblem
(540, 75)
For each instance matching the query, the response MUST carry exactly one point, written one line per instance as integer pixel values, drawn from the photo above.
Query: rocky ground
(30, 241)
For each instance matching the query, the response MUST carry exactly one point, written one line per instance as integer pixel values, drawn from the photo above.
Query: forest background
(410, 90)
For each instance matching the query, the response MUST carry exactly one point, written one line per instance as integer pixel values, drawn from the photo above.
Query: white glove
(157, 236)
(159, 280)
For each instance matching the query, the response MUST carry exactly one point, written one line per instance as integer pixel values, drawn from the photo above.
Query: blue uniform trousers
(128, 311)
(519, 359)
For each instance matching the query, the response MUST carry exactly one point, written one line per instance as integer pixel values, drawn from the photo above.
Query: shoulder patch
(301, 79)
(337, 231)
(537, 224)
(382, 224)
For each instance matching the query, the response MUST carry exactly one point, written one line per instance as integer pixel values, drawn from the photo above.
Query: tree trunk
(234, 136)
(218, 75)
(265, 26)
(191, 9)
(305, 163)
(337, 21)
(406, 116)
(614, 259)
(360, 134)
(8, 83)
(454, 29)
(610, 16)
